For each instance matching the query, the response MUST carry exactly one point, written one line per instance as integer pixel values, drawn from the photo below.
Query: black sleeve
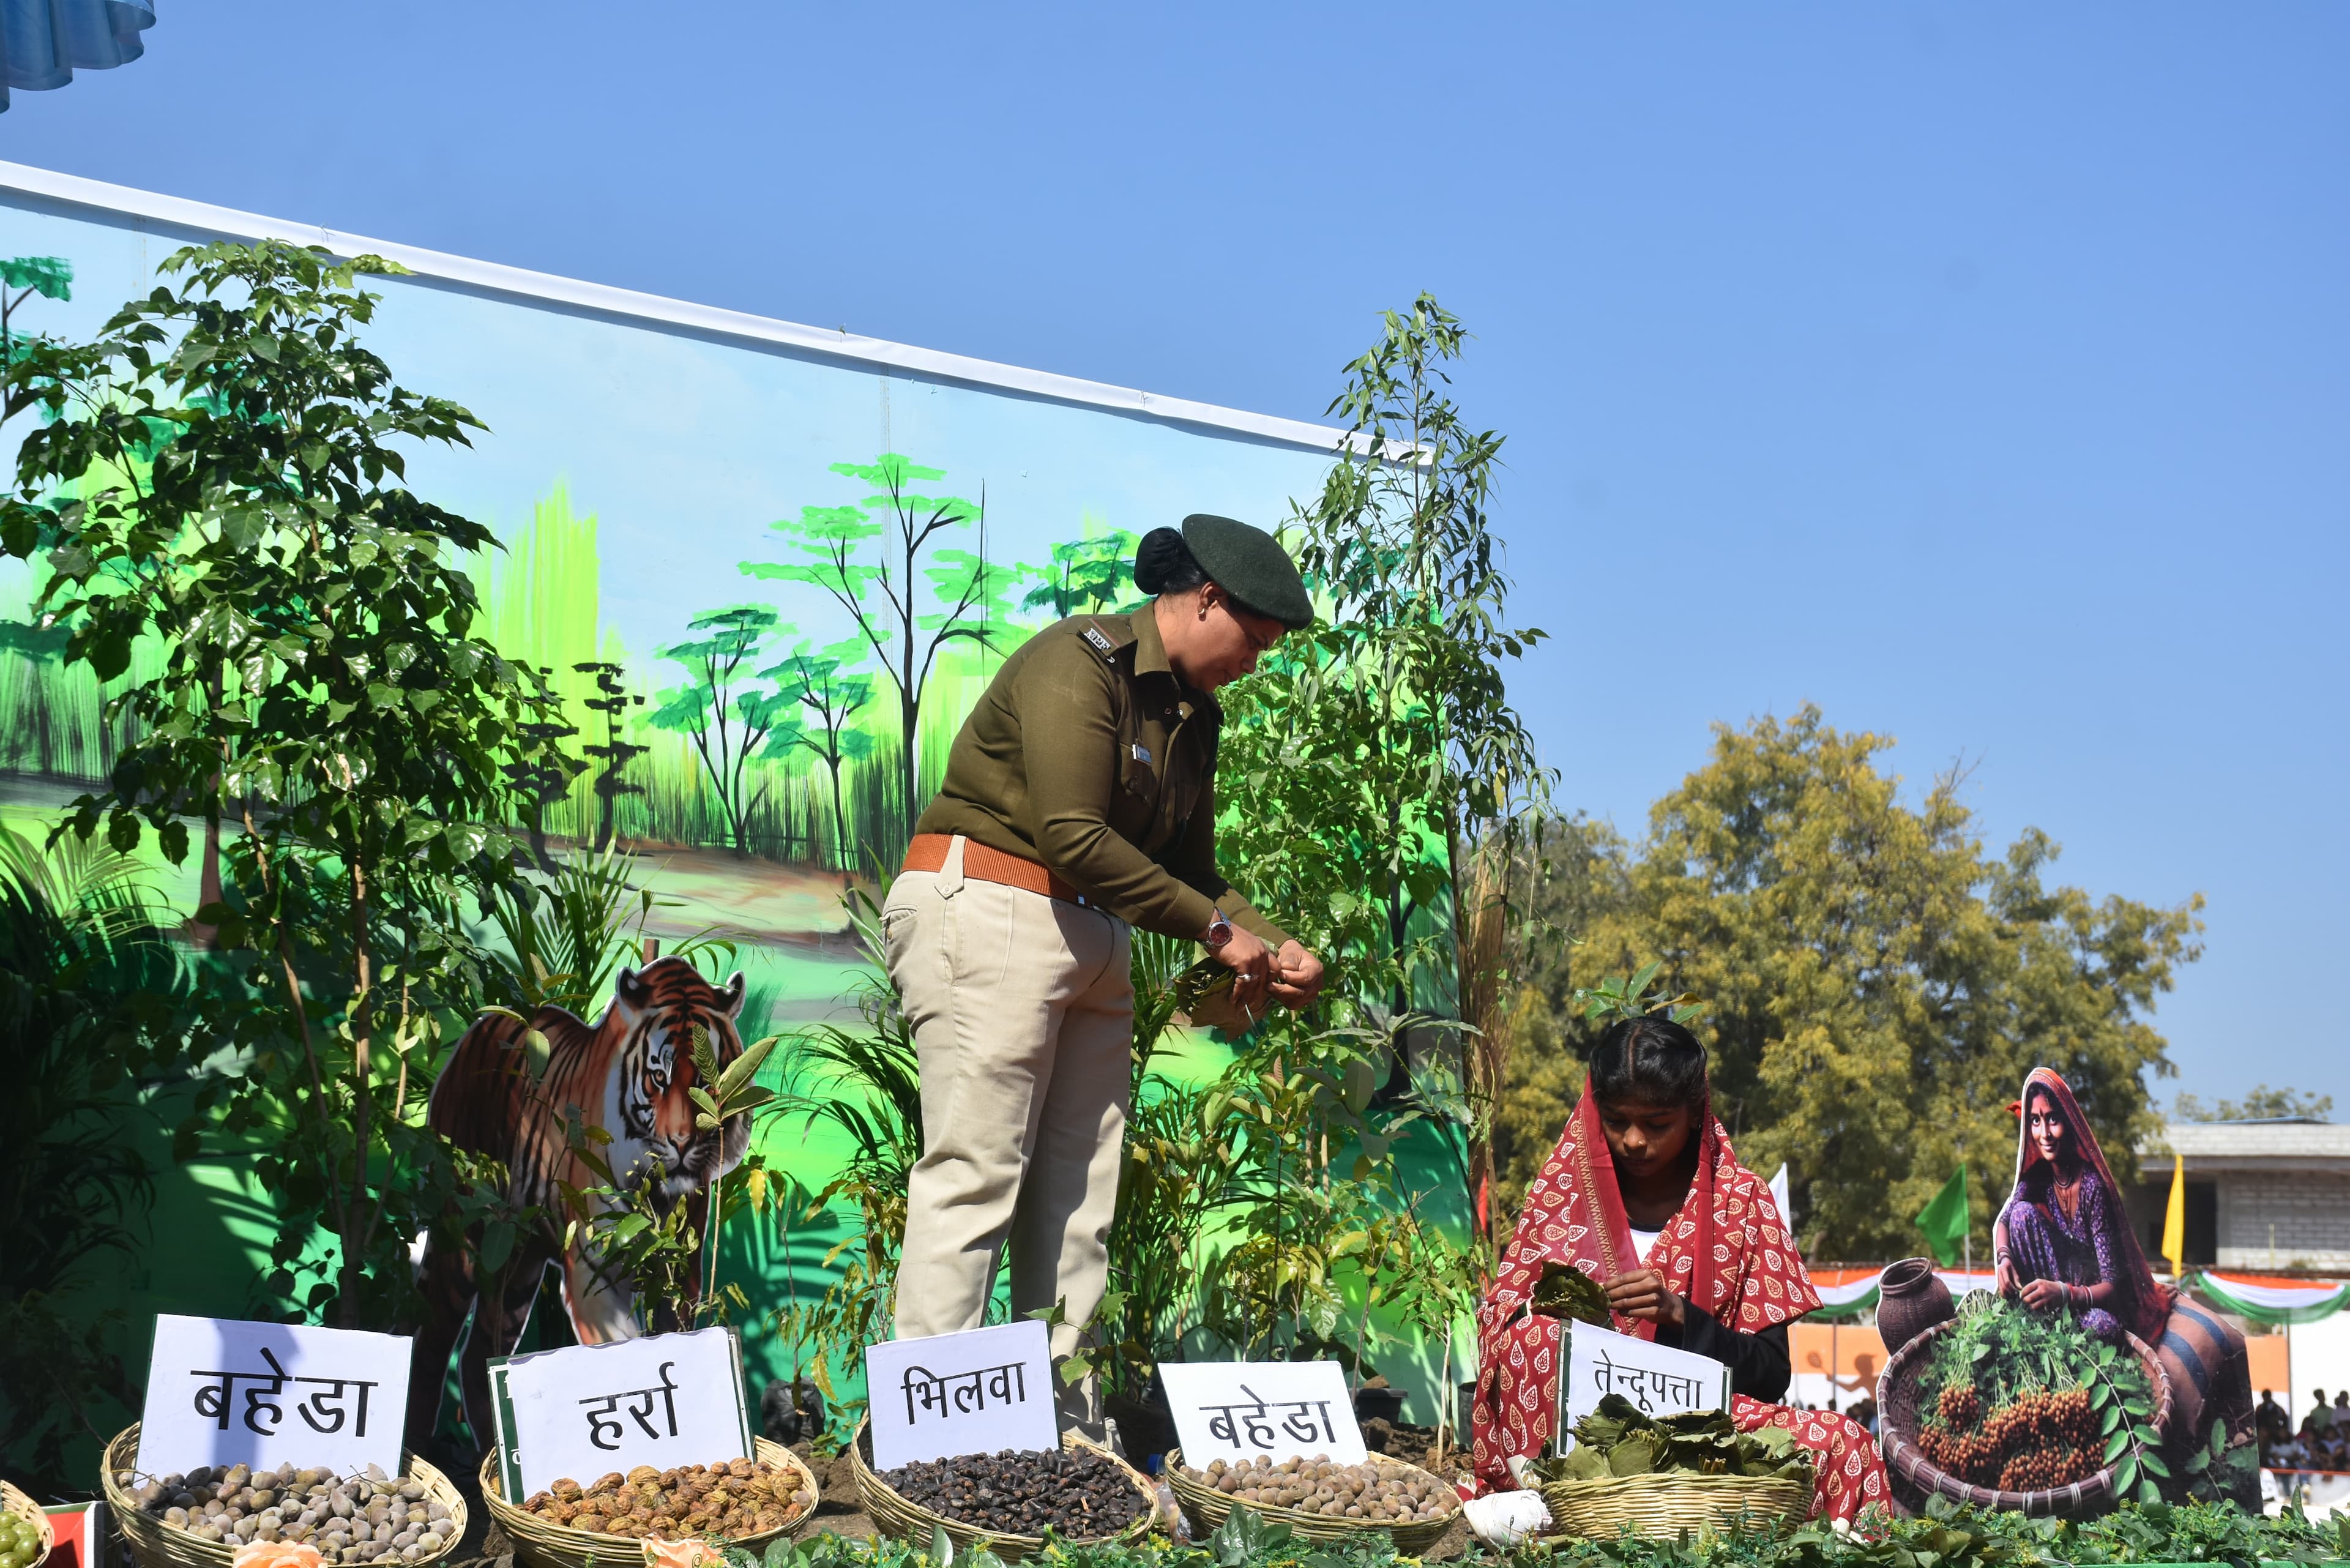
(1758, 1362)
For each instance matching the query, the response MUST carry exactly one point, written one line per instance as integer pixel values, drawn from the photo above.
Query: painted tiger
(629, 1074)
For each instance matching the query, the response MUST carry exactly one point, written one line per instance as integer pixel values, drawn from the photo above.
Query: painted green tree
(613, 700)
(872, 568)
(1084, 574)
(542, 776)
(829, 700)
(724, 711)
(48, 277)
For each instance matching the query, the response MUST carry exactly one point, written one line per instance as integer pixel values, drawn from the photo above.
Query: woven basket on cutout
(155, 1544)
(902, 1518)
(1661, 1505)
(1210, 1508)
(1900, 1398)
(543, 1544)
(25, 1509)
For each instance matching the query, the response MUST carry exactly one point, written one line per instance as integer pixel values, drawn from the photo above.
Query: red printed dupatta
(1726, 1251)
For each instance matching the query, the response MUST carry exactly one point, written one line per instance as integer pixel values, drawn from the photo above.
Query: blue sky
(1981, 373)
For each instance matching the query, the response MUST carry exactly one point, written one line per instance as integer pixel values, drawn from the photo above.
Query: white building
(2272, 1197)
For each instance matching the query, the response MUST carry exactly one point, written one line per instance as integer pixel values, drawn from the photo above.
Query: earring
(1204, 612)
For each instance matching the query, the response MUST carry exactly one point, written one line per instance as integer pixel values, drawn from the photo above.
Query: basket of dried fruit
(1322, 1500)
(198, 1520)
(1006, 1500)
(26, 1533)
(2009, 1407)
(1663, 1475)
(740, 1502)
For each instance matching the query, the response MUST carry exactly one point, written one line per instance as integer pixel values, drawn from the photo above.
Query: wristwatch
(1220, 932)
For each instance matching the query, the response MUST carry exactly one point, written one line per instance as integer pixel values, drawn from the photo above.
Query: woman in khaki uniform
(1080, 799)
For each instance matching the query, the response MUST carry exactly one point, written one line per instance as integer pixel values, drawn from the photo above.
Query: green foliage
(728, 718)
(222, 471)
(92, 998)
(1622, 996)
(1876, 985)
(629, 1234)
(1943, 1537)
(613, 701)
(829, 700)
(48, 277)
(2004, 1350)
(1617, 1440)
(2264, 1104)
(878, 587)
(1085, 576)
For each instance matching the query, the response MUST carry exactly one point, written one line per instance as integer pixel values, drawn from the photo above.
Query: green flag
(1944, 1220)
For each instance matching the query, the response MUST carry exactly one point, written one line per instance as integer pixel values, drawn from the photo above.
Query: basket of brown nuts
(200, 1518)
(1322, 1500)
(741, 1502)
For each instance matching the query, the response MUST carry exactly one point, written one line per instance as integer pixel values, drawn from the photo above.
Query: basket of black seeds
(1006, 1500)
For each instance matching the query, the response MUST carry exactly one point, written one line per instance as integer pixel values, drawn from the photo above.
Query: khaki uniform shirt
(1088, 756)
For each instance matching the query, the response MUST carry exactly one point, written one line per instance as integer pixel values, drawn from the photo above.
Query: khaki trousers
(1023, 1010)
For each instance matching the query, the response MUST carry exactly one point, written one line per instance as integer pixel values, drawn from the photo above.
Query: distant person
(1864, 1410)
(2275, 1422)
(2321, 1415)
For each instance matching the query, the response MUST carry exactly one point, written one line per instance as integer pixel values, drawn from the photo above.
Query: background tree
(829, 699)
(542, 776)
(319, 679)
(2262, 1104)
(613, 701)
(880, 592)
(1085, 576)
(1876, 986)
(728, 716)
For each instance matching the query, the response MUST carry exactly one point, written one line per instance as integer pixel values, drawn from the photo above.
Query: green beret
(1250, 565)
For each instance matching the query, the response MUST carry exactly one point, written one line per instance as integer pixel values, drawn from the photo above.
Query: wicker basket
(1210, 1508)
(25, 1507)
(1897, 1401)
(895, 1515)
(542, 1544)
(1662, 1505)
(155, 1544)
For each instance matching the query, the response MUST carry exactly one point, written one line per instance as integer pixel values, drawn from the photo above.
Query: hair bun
(1160, 559)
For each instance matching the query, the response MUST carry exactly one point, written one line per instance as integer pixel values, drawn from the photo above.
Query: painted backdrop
(706, 518)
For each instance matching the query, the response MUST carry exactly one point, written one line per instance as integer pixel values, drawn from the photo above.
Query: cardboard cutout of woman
(2063, 1240)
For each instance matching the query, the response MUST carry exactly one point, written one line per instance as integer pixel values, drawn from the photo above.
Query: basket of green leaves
(2008, 1407)
(1664, 1475)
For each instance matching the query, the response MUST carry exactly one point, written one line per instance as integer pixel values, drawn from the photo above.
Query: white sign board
(970, 1393)
(1656, 1379)
(225, 1392)
(665, 1400)
(1280, 1409)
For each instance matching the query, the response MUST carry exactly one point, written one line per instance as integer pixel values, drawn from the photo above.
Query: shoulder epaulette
(1104, 640)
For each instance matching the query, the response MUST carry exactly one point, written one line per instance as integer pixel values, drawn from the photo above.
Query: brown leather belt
(981, 864)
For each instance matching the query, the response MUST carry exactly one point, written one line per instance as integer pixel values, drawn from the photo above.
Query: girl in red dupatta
(1719, 1275)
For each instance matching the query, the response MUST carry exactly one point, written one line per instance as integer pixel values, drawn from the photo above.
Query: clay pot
(1910, 1300)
